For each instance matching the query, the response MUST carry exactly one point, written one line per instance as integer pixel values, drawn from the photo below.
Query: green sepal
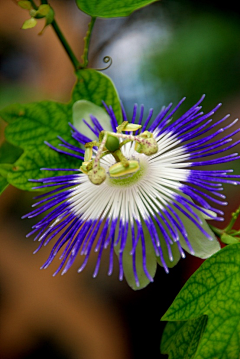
(127, 260)
(228, 239)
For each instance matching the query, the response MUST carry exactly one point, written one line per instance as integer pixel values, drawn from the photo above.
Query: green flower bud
(97, 176)
(112, 143)
(33, 13)
(118, 169)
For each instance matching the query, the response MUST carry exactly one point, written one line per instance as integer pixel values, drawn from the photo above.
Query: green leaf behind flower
(96, 87)
(180, 339)
(111, 8)
(3, 184)
(213, 290)
(9, 153)
(31, 124)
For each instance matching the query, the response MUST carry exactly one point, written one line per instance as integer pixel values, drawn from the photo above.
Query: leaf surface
(30, 125)
(180, 339)
(111, 8)
(213, 290)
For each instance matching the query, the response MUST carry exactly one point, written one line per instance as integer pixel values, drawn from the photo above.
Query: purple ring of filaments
(78, 235)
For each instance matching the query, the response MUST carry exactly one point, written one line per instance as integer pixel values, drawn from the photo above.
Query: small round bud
(33, 12)
(97, 176)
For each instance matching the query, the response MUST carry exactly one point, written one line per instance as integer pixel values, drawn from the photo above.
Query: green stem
(69, 51)
(216, 230)
(33, 4)
(233, 220)
(71, 55)
(87, 39)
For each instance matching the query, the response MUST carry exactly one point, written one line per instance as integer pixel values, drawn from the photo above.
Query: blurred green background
(160, 54)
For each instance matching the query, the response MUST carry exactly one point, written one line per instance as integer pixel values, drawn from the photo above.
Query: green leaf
(96, 87)
(25, 5)
(180, 339)
(213, 290)
(110, 8)
(30, 163)
(9, 153)
(43, 10)
(29, 24)
(4, 169)
(3, 184)
(38, 122)
(31, 124)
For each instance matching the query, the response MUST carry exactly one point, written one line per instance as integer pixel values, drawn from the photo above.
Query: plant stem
(33, 4)
(71, 55)
(233, 220)
(87, 43)
(69, 51)
(217, 231)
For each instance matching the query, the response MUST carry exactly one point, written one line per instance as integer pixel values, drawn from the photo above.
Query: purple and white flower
(157, 205)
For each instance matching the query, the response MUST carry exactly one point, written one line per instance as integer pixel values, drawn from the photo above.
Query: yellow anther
(138, 147)
(88, 154)
(118, 170)
(130, 127)
(146, 134)
(84, 168)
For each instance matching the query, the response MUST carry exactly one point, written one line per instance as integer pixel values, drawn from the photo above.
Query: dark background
(161, 53)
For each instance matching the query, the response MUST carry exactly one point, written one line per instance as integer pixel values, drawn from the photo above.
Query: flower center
(124, 171)
(129, 179)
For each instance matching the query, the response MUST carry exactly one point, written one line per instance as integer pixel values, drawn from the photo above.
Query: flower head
(140, 186)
